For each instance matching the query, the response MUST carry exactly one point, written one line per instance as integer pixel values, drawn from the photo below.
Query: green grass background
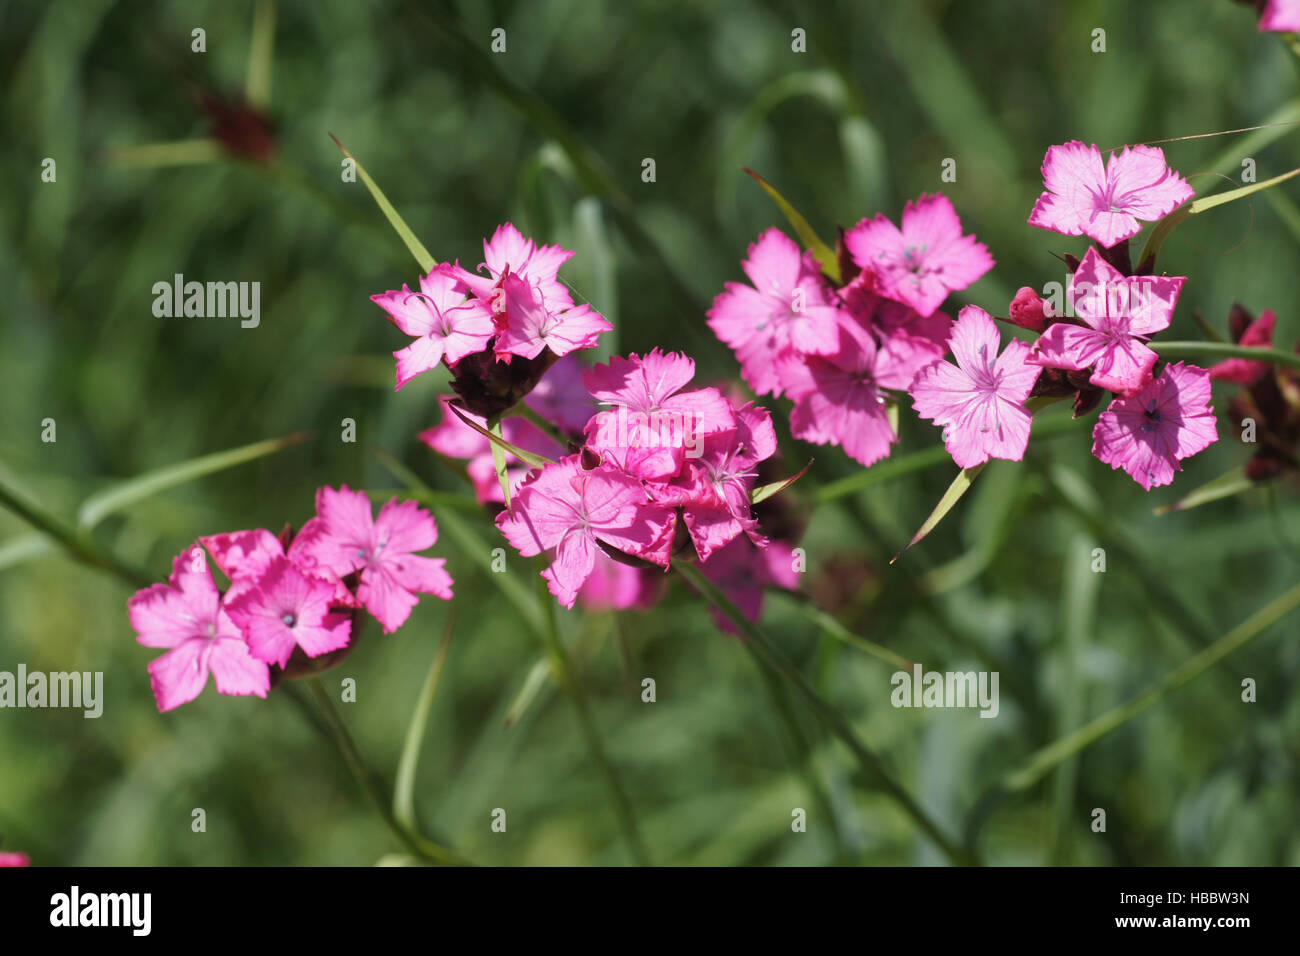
(551, 134)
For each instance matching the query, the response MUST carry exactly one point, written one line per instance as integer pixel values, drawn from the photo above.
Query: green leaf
(404, 782)
(527, 457)
(421, 254)
(960, 485)
(1171, 222)
(104, 503)
(767, 491)
(24, 547)
(1224, 350)
(1226, 485)
(830, 263)
(261, 55)
(537, 678)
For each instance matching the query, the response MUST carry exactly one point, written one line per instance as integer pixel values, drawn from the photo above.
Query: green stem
(567, 676)
(1224, 350)
(421, 847)
(80, 546)
(404, 781)
(835, 722)
(1053, 754)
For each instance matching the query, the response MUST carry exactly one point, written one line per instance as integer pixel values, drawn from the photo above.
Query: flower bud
(1026, 310)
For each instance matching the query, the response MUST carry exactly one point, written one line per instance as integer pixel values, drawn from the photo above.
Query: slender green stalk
(1224, 350)
(404, 781)
(420, 846)
(1112, 720)
(80, 546)
(835, 722)
(841, 633)
(567, 676)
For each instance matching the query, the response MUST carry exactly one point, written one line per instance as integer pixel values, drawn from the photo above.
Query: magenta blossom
(345, 538)
(1120, 312)
(287, 610)
(786, 309)
(15, 859)
(1148, 432)
(908, 341)
(186, 616)
(980, 401)
(614, 586)
(838, 398)
(244, 556)
(1281, 15)
(743, 572)
(713, 489)
(561, 397)
(508, 252)
(445, 324)
(531, 324)
(650, 424)
(921, 263)
(1107, 203)
(574, 511)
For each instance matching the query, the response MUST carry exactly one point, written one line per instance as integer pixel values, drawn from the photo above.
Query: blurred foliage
(551, 134)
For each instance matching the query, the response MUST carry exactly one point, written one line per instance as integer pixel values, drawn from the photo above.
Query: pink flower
(445, 324)
(561, 397)
(509, 253)
(286, 610)
(1148, 432)
(1119, 312)
(743, 572)
(1246, 371)
(244, 556)
(614, 586)
(187, 617)
(1282, 16)
(651, 424)
(15, 859)
(786, 309)
(925, 260)
(838, 398)
(980, 401)
(1105, 203)
(713, 488)
(345, 538)
(532, 324)
(908, 341)
(571, 510)
(455, 439)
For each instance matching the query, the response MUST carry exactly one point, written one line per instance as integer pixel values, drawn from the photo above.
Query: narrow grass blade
(404, 782)
(830, 263)
(1226, 485)
(421, 254)
(493, 435)
(767, 491)
(960, 485)
(104, 503)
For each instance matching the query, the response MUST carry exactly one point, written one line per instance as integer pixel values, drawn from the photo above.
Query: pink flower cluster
(1154, 421)
(514, 306)
(289, 596)
(838, 352)
(653, 467)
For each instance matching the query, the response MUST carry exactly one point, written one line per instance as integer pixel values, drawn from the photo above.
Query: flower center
(289, 619)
